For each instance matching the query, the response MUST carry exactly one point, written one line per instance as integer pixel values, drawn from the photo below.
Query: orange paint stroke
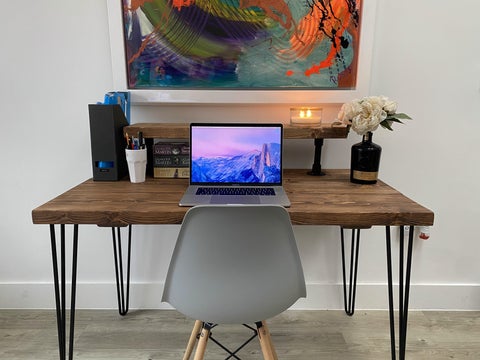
(182, 3)
(144, 44)
(137, 3)
(289, 73)
(277, 10)
(148, 38)
(307, 35)
(326, 63)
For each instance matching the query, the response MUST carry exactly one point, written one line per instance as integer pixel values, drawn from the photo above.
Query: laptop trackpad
(233, 199)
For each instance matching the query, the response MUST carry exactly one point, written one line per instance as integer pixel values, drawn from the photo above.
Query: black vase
(365, 161)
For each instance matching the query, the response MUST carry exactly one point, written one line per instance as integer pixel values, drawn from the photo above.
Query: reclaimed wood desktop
(316, 200)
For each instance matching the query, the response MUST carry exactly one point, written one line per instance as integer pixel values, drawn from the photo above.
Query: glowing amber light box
(306, 116)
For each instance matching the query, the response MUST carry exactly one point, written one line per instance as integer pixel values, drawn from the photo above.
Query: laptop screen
(241, 154)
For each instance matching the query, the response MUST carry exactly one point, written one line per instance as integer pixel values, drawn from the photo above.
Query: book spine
(171, 161)
(171, 172)
(171, 148)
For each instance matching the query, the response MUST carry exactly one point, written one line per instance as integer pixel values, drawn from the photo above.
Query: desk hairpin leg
(404, 290)
(123, 290)
(349, 303)
(60, 293)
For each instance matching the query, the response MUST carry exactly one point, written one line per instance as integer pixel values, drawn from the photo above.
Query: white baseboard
(319, 296)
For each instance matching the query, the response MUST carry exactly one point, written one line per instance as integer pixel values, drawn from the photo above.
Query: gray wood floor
(156, 334)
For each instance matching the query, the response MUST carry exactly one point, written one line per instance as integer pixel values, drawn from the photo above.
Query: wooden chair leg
(202, 342)
(266, 343)
(192, 340)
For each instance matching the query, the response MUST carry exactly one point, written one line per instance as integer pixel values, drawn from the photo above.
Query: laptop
(235, 164)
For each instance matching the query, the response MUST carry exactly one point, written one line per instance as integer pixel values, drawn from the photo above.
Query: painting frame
(241, 96)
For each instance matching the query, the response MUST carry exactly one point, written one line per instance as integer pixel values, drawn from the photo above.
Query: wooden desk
(326, 200)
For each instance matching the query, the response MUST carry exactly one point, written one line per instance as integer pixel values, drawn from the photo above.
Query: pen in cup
(135, 143)
(128, 140)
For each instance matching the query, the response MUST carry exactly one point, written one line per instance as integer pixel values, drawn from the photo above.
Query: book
(169, 172)
(171, 148)
(171, 161)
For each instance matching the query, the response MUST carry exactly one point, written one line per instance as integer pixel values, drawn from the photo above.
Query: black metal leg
(123, 290)
(233, 354)
(404, 290)
(349, 302)
(317, 167)
(60, 291)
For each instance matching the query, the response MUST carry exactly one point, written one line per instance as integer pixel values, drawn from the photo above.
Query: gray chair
(234, 265)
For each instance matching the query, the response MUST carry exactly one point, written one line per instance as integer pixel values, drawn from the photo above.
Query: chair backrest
(235, 264)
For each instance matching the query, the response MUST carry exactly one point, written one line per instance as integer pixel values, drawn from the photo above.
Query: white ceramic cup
(137, 164)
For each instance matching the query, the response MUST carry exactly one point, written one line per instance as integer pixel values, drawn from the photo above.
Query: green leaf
(401, 116)
(392, 119)
(386, 124)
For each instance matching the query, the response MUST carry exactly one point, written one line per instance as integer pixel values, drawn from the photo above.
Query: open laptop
(235, 164)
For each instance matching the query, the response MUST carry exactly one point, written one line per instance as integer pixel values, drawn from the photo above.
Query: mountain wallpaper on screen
(261, 166)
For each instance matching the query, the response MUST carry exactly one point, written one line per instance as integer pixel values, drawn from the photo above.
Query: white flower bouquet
(365, 115)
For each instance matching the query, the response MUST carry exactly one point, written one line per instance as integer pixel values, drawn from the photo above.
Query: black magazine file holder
(108, 142)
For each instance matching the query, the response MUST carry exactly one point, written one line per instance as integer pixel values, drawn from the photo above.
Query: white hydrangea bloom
(366, 114)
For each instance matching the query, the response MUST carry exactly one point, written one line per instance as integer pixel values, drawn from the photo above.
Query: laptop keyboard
(235, 191)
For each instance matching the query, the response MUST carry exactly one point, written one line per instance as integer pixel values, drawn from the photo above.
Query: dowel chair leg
(274, 353)
(266, 341)
(193, 338)
(202, 342)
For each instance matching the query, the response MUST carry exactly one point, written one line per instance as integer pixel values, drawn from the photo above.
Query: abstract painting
(242, 44)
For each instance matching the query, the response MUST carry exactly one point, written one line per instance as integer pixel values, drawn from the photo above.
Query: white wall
(55, 60)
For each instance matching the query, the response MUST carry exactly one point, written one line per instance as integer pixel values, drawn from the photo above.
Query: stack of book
(171, 159)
